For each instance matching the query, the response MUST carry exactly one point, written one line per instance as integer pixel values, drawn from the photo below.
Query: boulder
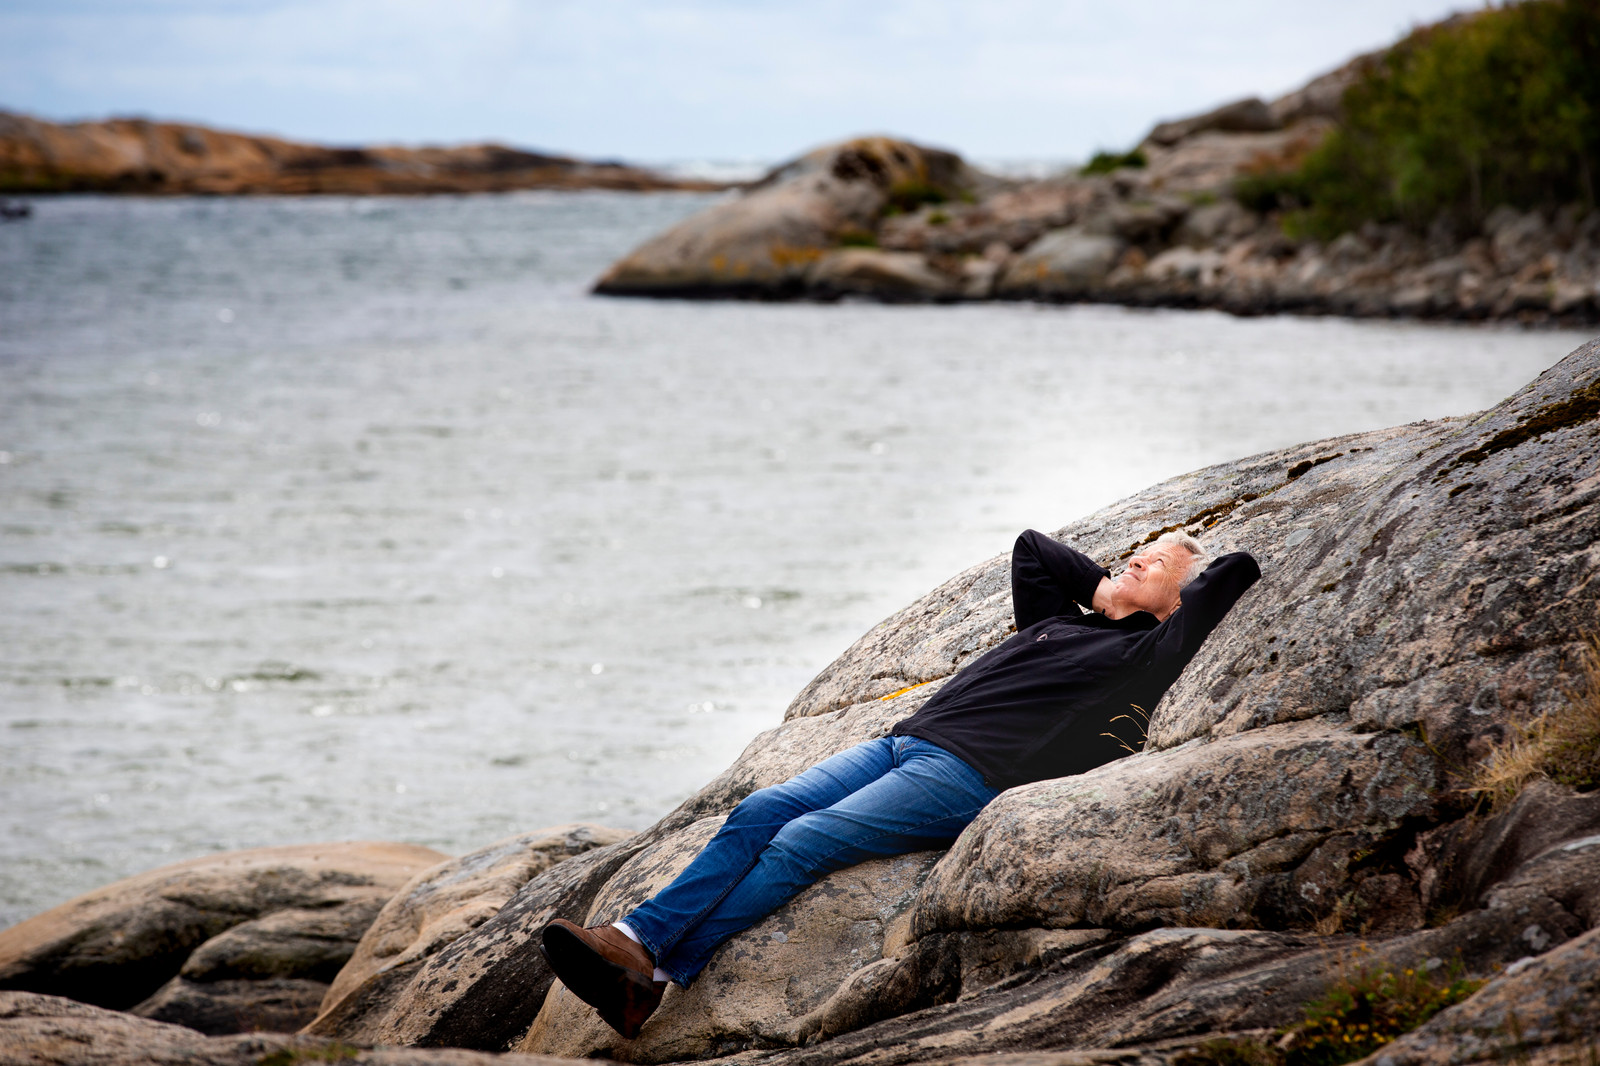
(1443, 597)
(1197, 266)
(1231, 833)
(764, 242)
(1250, 115)
(38, 1030)
(1065, 264)
(279, 913)
(1147, 221)
(894, 277)
(1323, 96)
(1216, 223)
(453, 962)
(1210, 162)
(271, 1004)
(443, 903)
(1012, 218)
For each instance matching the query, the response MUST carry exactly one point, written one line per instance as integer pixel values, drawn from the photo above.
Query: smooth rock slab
(117, 945)
(1431, 577)
(441, 904)
(889, 276)
(1194, 836)
(271, 1005)
(40, 1030)
(761, 985)
(1154, 993)
(482, 989)
(1063, 264)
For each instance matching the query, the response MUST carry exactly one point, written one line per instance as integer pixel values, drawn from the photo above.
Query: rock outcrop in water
(1300, 808)
(774, 240)
(881, 219)
(140, 156)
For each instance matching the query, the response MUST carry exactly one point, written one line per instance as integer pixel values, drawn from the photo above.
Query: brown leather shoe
(607, 970)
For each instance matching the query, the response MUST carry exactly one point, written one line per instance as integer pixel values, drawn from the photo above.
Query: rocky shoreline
(1175, 226)
(1303, 809)
(135, 155)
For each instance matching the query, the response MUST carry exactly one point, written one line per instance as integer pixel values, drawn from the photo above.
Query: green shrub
(907, 196)
(857, 237)
(1362, 1011)
(1271, 190)
(1501, 106)
(1106, 162)
(1368, 1008)
(302, 1056)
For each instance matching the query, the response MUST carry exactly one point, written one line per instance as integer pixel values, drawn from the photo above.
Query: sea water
(330, 519)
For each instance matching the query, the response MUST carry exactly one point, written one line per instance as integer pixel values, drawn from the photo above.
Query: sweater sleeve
(1047, 577)
(1203, 604)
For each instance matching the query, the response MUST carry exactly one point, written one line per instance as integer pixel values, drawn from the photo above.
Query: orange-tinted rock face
(137, 155)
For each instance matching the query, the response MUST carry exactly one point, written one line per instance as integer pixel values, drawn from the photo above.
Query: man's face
(1150, 583)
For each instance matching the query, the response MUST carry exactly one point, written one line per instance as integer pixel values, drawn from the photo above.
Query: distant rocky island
(136, 155)
(1333, 199)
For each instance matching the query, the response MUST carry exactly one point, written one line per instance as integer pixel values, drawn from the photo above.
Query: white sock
(627, 931)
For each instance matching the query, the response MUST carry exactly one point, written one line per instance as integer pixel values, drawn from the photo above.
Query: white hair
(1197, 554)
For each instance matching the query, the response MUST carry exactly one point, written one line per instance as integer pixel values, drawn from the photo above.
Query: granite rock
(291, 912)
(762, 986)
(895, 277)
(1063, 264)
(235, 1005)
(136, 155)
(38, 1030)
(1182, 223)
(445, 902)
(1250, 115)
(1541, 1011)
(1222, 834)
(765, 242)
(482, 989)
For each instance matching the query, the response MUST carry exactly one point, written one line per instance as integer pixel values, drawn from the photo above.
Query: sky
(681, 80)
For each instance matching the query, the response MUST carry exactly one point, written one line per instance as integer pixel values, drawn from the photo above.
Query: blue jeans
(884, 797)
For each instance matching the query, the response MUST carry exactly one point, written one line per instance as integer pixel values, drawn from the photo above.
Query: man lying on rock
(1049, 702)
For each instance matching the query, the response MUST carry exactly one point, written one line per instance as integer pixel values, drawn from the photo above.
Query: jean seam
(678, 932)
(823, 859)
(684, 927)
(892, 832)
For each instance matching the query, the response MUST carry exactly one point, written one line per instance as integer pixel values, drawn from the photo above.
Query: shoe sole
(615, 991)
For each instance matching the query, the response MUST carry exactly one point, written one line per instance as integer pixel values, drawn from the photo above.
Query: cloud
(661, 79)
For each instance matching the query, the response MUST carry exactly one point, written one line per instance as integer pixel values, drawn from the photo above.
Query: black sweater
(1037, 706)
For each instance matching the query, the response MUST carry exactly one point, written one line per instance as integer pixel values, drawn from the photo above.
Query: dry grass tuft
(1563, 746)
(1332, 923)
